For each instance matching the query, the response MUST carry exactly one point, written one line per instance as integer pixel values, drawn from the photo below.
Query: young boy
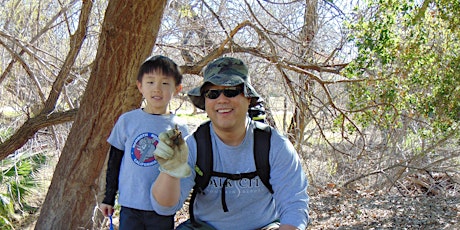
(132, 167)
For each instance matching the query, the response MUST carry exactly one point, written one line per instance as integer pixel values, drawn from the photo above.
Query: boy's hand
(107, 210)
(172, 154)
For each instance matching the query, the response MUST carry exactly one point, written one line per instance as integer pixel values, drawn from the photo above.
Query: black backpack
(204, 162)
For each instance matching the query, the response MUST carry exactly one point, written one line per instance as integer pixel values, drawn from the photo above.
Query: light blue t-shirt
(136, 133)
(250, 204)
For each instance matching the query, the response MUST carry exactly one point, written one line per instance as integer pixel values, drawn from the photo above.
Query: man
(225, 95)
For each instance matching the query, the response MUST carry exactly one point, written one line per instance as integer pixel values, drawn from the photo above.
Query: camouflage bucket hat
(225, 71)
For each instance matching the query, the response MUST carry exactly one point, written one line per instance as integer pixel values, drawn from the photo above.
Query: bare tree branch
(47, 27)
(76, 41)
(31, 126)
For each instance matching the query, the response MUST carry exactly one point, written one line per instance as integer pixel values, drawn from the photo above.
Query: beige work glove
(172, 154)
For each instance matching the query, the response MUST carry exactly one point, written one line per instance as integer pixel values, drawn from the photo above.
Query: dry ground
(332, 208)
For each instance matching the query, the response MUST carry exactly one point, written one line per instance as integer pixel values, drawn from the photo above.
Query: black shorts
(134, 219)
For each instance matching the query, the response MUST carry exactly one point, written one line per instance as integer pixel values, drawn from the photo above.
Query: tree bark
(128, 35)
(300, 115)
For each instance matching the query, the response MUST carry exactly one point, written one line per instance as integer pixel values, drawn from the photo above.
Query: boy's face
(158, 91)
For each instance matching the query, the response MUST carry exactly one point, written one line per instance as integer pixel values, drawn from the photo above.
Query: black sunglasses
(228, 92)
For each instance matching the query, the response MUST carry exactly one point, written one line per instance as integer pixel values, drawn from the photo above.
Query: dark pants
(134, 219)
(187, 225)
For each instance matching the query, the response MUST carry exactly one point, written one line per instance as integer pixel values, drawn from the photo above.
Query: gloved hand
(172, 154)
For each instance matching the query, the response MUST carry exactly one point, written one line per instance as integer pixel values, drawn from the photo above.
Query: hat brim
(223, 80)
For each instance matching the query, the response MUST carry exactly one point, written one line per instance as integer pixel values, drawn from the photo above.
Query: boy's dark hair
(163, 65)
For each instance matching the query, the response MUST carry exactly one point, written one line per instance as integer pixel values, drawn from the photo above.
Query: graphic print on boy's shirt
(142, 149)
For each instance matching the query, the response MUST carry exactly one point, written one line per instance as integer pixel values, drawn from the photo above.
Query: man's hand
(172, 154)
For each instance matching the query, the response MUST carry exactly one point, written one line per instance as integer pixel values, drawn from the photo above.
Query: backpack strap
(204, 159)
(228, 176)
(262, 134)
(203, 166)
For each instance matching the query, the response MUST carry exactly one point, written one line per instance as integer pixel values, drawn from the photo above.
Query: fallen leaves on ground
(333, 209)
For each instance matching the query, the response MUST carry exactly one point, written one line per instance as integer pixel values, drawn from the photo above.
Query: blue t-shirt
(136, 133)
(250, 203)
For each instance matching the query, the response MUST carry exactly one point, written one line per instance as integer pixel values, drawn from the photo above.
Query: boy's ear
(178, 89)
(139, 85)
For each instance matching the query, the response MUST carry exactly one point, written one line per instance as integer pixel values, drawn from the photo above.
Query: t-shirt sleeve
(289, 183)
(118, 136)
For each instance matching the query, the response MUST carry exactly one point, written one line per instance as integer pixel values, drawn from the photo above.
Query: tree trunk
(127, 37)
(300, 115)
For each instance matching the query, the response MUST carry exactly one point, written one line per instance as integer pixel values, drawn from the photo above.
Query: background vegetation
(366, 90)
